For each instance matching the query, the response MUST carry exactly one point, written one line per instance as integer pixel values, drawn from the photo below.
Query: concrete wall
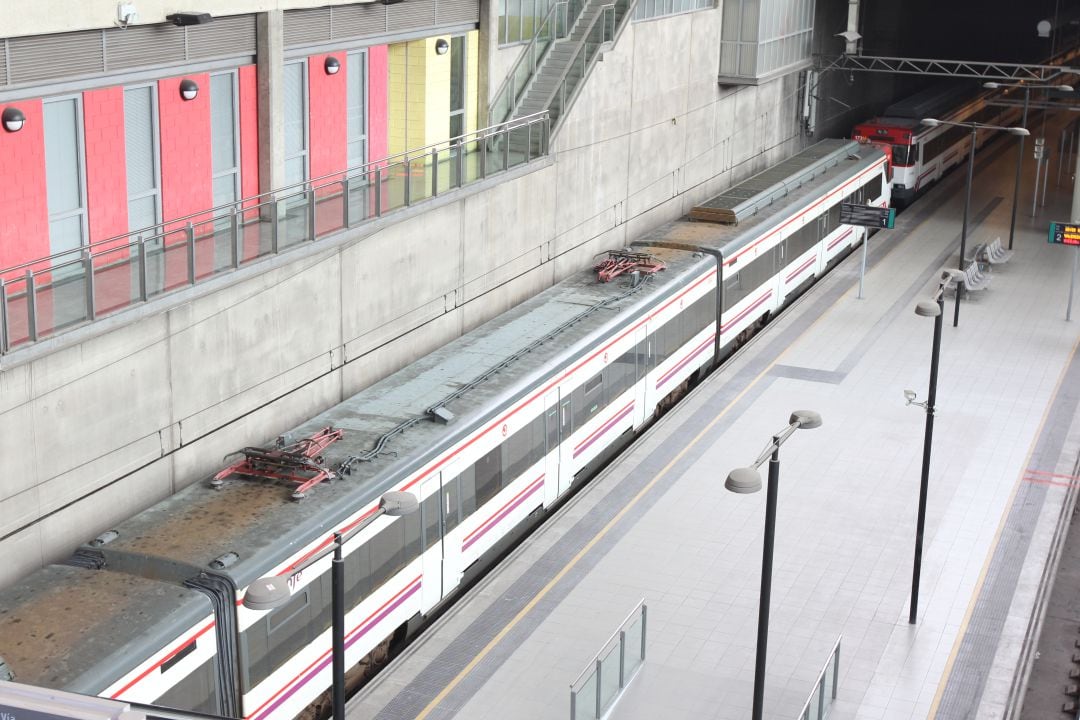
(104, 426)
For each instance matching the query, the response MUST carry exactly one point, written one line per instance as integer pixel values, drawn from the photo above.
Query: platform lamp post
(271, 592)
(1020, 154)
(975, 127)
(935, 308)
(748, 480)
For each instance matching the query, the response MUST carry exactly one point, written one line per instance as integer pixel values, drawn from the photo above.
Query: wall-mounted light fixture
(441, 46)
(188, 89)
(13, 119)
(332, 65)
(183, 19)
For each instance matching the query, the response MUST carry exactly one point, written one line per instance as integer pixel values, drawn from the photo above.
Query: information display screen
(1064, 234)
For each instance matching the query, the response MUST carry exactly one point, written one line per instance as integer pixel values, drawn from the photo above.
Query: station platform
(658, 524)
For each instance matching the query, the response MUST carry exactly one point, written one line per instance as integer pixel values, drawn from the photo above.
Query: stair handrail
(596, 36)
(531, 58)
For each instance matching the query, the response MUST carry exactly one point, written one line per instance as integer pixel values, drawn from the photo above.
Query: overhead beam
(1008, 72)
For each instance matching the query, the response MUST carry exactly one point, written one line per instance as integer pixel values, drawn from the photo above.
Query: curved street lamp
(748, 480)
(273, 591)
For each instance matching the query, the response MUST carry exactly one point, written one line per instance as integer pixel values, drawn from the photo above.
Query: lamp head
(267, 593)
(1063, 88)
(931, 122)
(743, 480)
(398, 503)
(992, 85)
(805, 419)
(1018, 131)
(927, 308)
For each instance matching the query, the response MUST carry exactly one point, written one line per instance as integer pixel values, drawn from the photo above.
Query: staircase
(553, 66)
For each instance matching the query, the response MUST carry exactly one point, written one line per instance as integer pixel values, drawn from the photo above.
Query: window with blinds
(140, 150)
(65, 184)
(295, 112)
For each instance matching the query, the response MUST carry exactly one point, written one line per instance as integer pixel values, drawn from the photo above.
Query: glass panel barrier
(60, 297)
(166, 262)
(329, 209)
(116, 279)
(420, 179)
(14, 314)
(394, 179)
(293, 219)
(819, 703)
(608, 674)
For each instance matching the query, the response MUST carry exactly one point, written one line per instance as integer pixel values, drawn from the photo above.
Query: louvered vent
(142, 45)
(456, 12)
(225, 37)
(307, 27)
(351, 21)
(411, 14)
(46, 57)
(40, 58)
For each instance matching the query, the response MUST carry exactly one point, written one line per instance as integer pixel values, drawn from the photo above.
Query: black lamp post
(934, 308)
(974, 127)
(748, 480)
(271, 592)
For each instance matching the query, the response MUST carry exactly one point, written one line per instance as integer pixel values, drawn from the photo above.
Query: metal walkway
(658, 524)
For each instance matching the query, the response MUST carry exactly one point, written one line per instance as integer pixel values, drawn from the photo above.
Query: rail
(43, 297)
(605, 678)
(817, 705)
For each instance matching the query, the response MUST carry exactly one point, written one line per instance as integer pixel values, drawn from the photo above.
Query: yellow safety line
(604, 531)
(997, 538)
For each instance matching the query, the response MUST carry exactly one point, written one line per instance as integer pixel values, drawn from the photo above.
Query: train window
(357, 575)
(551, 420)
(619, 376)
(284, 618)
(197, 691)
(430, 516)
(522, 450)
(286, 630)
(488, 471)
(467, 489)
(387, 553)
(733, 290)
(411, 531)
(450, 505)
(901, 155)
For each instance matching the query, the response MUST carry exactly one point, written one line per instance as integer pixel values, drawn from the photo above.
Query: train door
(551, 457)
(779, 261)
(641, 388)
(566, 444)
(431, 586)
(450, 510)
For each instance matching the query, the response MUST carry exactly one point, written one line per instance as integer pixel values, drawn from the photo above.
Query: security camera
(125, 15)
(909, 395)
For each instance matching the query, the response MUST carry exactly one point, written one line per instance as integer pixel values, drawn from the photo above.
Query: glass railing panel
(496, 153)
(329, 209)
(15, 325)
(421, 177)
(634, 645)
(116, 279)
(166, 262)
(472, 166)
(449, 172)
(585, 700)
(361, 197)
(60, 296)
(293, 219)
(257, 231)
(609, 676)
(519, 146)
(394, 179)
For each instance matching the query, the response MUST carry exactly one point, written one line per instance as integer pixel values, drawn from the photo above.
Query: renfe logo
(8, 716)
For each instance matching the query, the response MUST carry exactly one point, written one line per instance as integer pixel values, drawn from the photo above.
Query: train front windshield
(902, 155)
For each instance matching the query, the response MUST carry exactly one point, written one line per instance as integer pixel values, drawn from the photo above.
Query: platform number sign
(867, 216)
(1064, 234)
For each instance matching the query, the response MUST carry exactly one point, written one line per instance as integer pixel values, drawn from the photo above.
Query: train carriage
(489, 432)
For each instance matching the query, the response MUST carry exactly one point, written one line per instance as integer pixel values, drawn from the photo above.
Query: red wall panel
(186, 169)
(24, 209)
(327, 117)
(249, 131)
(378, 80)
(106, 169)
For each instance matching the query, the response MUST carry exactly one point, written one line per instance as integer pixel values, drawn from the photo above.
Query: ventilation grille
(63, 56)
(372, 19)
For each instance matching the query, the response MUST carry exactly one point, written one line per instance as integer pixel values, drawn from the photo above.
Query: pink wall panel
(106, 170)
(327, 117)
(249, 132)
(186, 169)
(378, 79)
(24, 210)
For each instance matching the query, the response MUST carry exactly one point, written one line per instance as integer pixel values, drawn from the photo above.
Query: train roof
(843, 160)
(934, 101)
(256, 520)
(77, 629)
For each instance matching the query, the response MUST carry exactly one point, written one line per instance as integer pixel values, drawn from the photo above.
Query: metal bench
(996, 254)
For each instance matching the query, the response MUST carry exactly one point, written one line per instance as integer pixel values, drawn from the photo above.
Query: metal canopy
(1014, 72)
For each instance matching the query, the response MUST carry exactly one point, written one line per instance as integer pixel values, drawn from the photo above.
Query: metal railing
(45, 296)
(555, 25)
(817, 705)
(603, 680)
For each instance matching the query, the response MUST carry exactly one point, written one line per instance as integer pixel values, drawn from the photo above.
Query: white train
(530, 404)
